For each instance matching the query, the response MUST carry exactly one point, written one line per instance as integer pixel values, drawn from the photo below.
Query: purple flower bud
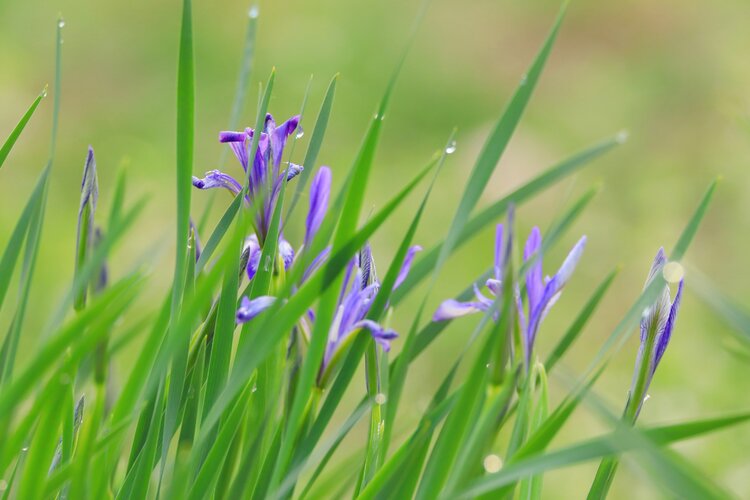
(320, 190)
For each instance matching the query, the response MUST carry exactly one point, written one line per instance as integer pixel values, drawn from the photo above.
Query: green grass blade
(470, 399)
(42, 446)
(495, 146)
(688, 233)
(619, 441)
(576, 328)
(724, 307)
(221, 351)
(208, 472)
(15, 243)
(316, 141)
(13, 137)
(185, 147)
(31, 251)
(246, 67)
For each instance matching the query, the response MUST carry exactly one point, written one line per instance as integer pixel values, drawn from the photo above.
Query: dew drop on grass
(622, 137)
(450, 148)
(648, 396)
(300, 132)
(253, 12)
(673, 272)
(492, 463)
(61, 23)
(44, 91)
(524, 78)
(381, 398)
(267, 264)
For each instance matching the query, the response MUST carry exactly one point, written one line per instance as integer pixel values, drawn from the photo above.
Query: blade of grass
(576, 328)
(619, 441)
(311, 156)
(16, 132)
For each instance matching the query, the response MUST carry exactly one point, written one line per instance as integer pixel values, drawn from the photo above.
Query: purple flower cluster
(264, 175)
(360, 285)
(541, 294)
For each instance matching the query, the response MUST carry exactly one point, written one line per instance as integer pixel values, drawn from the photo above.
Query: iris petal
(452, 308)
(251, 308)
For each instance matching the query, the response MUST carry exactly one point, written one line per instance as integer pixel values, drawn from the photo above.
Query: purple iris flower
(264, 173)
(541, 293)
(657, 325)
(359, 289)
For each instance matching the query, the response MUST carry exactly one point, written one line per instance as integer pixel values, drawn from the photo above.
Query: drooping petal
(381, 335)
(662, 340)
(487, 302)
(569, 264)
(551, 289)
(251, 308)
(286, 252)
(494, 286)
(452, 308)
(238, 141)
(218, 179)
(279, 136)
(406, 266)
(534, 286)
(320, 190)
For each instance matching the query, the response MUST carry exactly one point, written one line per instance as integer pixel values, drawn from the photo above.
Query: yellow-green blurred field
(674, 74)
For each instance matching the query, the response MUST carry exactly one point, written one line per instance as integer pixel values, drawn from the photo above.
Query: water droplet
(300, 132)
(524, 78)
(450, 148)
(492, 463)
(648, 396)
(622, 137)
(61, 23)
(255, 388)
(673, 272)
(253, 12)
(267, 264)
(378, 116)
(44, 91)
(25, 449)
(380, 398)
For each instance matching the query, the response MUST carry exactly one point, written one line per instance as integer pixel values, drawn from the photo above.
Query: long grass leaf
(16, 132)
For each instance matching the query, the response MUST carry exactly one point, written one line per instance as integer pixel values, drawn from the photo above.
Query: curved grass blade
(424, 266)
(15, 243)
(316, 141)
(13, 137)
(42, 446)
(619, 441)
(576, 328)
(689, 232)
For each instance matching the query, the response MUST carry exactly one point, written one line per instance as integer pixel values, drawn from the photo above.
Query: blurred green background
(674, 74)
